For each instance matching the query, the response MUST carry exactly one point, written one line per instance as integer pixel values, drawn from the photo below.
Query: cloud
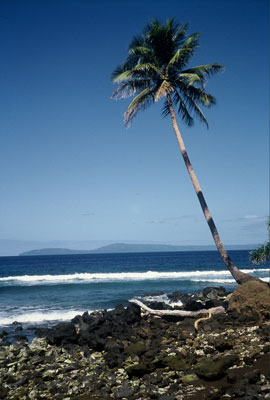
(251, 217)
(87, 214)
(155, 221)
(170, 220)
(248, 218)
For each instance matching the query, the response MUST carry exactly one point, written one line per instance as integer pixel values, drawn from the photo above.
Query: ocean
(43, 290)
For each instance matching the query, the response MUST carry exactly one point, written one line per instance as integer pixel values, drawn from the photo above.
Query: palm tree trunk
(239, 276)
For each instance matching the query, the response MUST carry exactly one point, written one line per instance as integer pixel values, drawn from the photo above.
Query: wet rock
(62, 333)
(177, 297)
(194, 305)
(21, 338)
(18, 328)
(214, 292)
(158, 305)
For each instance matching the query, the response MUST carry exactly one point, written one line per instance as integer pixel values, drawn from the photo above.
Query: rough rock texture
(251, 300)
(120, 354)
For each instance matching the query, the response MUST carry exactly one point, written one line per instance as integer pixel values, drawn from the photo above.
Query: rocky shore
(124, 354)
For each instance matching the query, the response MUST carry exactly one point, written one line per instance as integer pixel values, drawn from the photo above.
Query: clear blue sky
(69, 170)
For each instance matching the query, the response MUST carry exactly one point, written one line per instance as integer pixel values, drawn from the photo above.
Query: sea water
(48, 289)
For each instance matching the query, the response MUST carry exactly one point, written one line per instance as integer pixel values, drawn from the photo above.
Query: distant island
(131, 248)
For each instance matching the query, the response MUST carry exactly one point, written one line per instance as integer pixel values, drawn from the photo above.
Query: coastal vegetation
(157, 68)
(262, 254)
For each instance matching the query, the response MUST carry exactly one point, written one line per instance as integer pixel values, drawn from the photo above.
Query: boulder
(212, 370)
(62, 333)
(213, 293)
(250, 302)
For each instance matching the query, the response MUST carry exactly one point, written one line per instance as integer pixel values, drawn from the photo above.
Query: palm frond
(189, 78)
(165, 109)
(137, 41)
(198, 94)
(180, 35)
(130, 88)
(140, 51)
(193, 107)
(156, 65)
(122, 76)
(140, 102)
(182, 55)
(205, 70)
(198, 111)
(147, 67)
(182, 109)
(163, 90)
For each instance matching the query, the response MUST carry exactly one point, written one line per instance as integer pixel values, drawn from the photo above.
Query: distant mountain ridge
(131, 248)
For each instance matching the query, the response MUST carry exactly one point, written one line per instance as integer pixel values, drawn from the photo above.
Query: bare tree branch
(180, 313)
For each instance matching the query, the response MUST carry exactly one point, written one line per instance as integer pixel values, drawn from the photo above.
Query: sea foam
(118, 276)
(38, 317)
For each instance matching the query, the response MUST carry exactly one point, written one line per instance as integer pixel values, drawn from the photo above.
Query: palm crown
(156, 67)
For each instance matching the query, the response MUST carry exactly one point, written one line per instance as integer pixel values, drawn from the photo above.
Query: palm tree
(155, 68)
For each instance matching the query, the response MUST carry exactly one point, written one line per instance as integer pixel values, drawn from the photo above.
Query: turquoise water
(40, 289)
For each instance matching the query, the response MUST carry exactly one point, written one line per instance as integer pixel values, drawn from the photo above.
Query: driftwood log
(180, 313)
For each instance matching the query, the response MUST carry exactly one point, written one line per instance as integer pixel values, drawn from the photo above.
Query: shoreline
(124, 354)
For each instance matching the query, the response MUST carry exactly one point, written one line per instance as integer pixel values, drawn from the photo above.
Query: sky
(69, 169)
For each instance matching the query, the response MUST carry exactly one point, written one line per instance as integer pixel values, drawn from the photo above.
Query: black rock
(62, 333)
(212, 370)
(253, 376)
(124, 392)
(177, 296)
(222, 344)
(214, 292)
(194, 306)
(18, 328)
(77, 320)
(213, 303)
(21, 338)
(160, 293)
(158, 305)
(132, 314)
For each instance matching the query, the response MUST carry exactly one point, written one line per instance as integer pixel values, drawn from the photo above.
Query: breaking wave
(211, 275)
(37, 317)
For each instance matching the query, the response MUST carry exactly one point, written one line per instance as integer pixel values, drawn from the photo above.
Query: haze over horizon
(17, 247)
(71, 173)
